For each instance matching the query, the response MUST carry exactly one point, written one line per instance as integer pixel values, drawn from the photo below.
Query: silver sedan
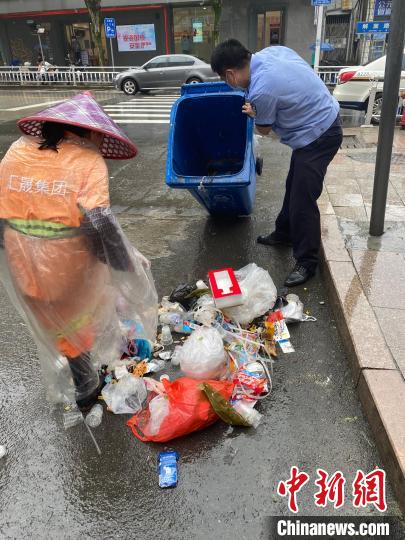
(167, 71)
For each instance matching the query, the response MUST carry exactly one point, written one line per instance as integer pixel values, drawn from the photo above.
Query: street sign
(382, 8)
(320, 2)
(110, 28)
(371, 27)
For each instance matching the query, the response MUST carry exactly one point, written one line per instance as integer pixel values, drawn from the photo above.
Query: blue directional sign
(320, 2)
(110, 28)
(371, 27)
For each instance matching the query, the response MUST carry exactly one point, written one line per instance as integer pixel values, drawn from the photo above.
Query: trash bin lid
(209, 88)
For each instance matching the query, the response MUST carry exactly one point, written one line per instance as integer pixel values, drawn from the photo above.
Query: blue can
(210, 149)
(167, 466)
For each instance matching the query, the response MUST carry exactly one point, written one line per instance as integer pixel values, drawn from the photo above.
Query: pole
(112, 54)
(392, 79)
(319, 24)
(40, 46)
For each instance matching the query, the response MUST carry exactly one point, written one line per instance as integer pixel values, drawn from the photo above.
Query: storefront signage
(197, 32)
(320, 2)
(372, 27)
(136, 37)
(382, 8)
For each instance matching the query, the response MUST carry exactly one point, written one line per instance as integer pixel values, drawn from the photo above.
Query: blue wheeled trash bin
(211, 150)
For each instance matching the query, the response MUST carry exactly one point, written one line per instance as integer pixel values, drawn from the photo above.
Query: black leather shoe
(273, 240)
(298, 276)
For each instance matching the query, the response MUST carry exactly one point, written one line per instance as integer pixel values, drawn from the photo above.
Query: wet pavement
(54, 485)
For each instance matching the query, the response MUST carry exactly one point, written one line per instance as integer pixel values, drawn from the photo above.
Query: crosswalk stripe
(135, 112)
(137, 106)
(129, 121)
(142, 115)
(146, 101)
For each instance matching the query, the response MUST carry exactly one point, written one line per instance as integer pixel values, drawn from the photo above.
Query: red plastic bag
(188, 410)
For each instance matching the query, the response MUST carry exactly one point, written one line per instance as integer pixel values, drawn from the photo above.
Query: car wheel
(129, 87)
(194, 80)
(375, 119)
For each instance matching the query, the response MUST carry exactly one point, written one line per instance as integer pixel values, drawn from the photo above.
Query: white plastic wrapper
(67, 265)
(126, 396)
(259, 293)
(203, 355)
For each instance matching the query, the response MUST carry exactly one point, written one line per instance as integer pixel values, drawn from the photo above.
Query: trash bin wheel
(259, 166)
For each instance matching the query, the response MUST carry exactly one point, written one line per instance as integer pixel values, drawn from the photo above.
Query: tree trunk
(217, 6)
(94, 8)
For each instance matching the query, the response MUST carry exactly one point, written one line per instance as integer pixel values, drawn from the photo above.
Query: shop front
(142, 33)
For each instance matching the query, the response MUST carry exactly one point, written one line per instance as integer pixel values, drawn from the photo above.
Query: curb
(380, 384)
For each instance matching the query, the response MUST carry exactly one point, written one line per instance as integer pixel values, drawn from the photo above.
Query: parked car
(354, 84)
(166, 71)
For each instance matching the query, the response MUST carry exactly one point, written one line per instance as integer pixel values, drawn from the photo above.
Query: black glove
(103, 231)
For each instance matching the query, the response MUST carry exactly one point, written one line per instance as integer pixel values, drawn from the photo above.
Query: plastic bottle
(249, 414)
(3, 451)
(166, 335)
(94, 417)
(177, 322)
(171, 318)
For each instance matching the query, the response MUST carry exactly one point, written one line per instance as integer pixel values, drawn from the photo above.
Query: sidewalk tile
(353, 213)
(392, 323)
(382, 393)
(346, 199)
(343, 188)
(360, 325)
(383, 277)
(333, 243)
(392, 212)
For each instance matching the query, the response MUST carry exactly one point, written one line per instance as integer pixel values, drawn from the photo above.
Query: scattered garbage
(72, 418)
(203, 356)
(188, 410)
(220, 342)
(95, 416)
(3, 451)
(125, 396)
(166, 337)
(225, 288)
(167, 463)
(259, 293)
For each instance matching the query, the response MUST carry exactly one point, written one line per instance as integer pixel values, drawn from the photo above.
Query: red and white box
(225, 288)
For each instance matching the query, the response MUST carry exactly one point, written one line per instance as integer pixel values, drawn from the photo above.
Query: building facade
(146, 29)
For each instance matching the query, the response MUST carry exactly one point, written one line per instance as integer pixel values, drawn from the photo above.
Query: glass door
(269, 29)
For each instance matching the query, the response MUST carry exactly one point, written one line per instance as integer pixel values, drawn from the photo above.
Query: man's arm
(263, 130)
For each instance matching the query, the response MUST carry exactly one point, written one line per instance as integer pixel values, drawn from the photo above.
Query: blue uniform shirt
(290, 97)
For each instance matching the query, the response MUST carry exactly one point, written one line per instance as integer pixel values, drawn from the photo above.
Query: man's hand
(248, 109)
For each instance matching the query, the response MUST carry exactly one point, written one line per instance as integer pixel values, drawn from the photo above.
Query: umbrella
(326, 47)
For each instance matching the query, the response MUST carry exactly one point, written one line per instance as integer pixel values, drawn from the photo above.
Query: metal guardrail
(62, 75)
(93, 76)
(329, 74)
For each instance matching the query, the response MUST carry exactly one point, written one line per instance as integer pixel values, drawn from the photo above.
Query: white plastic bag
(158, 408)
(126, 396)
(293, 312)
(259, 293)
(203, 355)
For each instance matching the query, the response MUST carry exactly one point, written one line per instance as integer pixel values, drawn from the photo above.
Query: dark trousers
(299, 219)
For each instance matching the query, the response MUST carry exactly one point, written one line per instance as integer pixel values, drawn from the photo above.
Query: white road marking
(33, 105)
(156, 121)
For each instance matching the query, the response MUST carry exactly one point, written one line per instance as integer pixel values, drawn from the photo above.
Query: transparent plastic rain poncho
(66, 263)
